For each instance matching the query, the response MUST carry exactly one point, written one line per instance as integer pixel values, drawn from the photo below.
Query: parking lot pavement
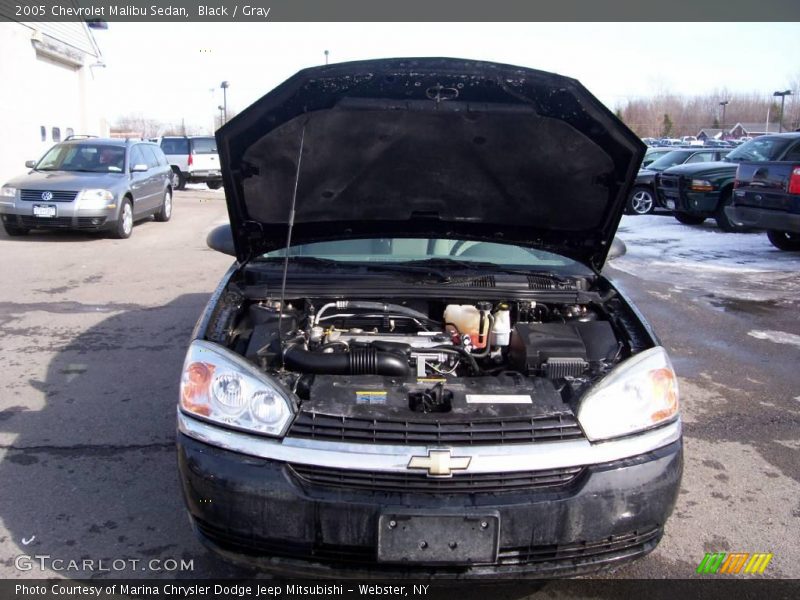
(93, 334)
(725, 306)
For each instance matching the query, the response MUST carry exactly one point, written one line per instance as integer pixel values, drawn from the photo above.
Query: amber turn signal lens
(665, 386)
(195, 388)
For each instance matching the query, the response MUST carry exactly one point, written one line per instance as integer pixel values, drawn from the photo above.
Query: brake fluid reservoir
(467, 318)
(501, 330)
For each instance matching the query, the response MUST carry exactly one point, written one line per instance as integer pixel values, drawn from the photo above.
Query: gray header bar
(405, 10)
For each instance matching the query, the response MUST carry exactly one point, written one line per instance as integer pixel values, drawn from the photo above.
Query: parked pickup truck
(767, 196)
(698, 191)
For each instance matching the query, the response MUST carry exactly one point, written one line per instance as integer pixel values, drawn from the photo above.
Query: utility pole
(783, 99)
(723, 104)
(224, 85)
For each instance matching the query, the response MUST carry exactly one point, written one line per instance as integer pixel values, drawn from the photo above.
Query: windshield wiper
(302, 260)
(467, 265)
(556, 278)
(357, 265)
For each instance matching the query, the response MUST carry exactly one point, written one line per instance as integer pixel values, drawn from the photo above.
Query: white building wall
(43, 89)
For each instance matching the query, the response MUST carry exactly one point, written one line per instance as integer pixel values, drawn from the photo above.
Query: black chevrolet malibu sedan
(415, 367)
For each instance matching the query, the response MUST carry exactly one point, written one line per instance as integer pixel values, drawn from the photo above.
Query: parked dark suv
(442, 383)
(695, 192)
(643, 197)
(90, 184)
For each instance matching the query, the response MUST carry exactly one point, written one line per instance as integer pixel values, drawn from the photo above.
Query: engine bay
(407, 357)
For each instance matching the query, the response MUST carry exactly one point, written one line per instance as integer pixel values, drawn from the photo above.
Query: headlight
(94, 198)
(219, 386)
(639, 394)
(8, 191)
(701, 185)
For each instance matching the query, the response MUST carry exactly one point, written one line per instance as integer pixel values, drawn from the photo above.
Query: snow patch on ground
(663, 239)
(779, 337)
(701, 257)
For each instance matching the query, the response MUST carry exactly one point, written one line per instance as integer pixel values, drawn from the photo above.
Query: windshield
(87, 158)
(401, 250)
(759, 149)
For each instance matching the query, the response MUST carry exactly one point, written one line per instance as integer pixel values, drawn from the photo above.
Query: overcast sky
(172, 71)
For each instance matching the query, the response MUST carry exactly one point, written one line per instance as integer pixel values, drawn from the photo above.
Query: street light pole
(221, 114)
(213, 118)
(723, 104)
(326, 57)
(224, 85)
(783, 95)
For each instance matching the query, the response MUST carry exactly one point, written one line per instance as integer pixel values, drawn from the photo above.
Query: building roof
(710, 132)
(759, 127)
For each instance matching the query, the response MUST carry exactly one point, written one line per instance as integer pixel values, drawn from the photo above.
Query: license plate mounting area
(446, 539)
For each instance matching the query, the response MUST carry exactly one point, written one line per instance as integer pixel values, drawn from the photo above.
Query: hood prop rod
(289, 243)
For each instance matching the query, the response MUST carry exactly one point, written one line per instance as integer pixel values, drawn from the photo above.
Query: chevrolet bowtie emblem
(439, 463)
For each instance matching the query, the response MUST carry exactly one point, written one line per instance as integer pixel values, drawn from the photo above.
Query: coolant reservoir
(466, 318)
(501, 329)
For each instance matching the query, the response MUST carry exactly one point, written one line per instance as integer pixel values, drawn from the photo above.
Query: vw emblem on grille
(439, 463)
(47, 196)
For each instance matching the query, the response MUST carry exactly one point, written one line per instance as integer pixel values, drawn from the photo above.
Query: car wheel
(178, 181)
(214, 185)
(688, 219)
(723, 222)
(14, 231)
(641, 201)
(124, 226)
(165, 212)
(783, 240)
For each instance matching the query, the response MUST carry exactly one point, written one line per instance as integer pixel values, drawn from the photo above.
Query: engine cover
(560, 349)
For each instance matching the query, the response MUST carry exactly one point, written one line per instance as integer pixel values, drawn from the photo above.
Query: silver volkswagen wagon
(89, 184)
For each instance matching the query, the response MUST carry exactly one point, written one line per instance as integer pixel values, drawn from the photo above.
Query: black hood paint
(429, 147)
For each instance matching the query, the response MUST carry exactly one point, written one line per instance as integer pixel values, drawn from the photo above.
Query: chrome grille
(36, 196)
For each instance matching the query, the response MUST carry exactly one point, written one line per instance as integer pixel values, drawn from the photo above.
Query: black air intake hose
(358, 361)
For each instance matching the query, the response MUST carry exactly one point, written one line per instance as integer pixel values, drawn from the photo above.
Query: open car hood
(428, 148)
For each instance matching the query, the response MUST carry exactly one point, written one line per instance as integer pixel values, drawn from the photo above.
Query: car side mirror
(618, 248)
(140, 168)
(221, 239)
(29, 164)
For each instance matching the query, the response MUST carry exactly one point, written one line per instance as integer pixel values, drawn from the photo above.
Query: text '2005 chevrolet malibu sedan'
(414, 367)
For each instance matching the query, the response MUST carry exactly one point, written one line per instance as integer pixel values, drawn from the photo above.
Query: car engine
(404, 356)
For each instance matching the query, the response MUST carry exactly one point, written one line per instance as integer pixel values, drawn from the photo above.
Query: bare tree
(691, 114)
(137, 125)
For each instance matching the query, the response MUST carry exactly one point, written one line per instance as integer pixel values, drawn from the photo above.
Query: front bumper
(674, 194)
(762, 218)
(67, 216)
(260, 512)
